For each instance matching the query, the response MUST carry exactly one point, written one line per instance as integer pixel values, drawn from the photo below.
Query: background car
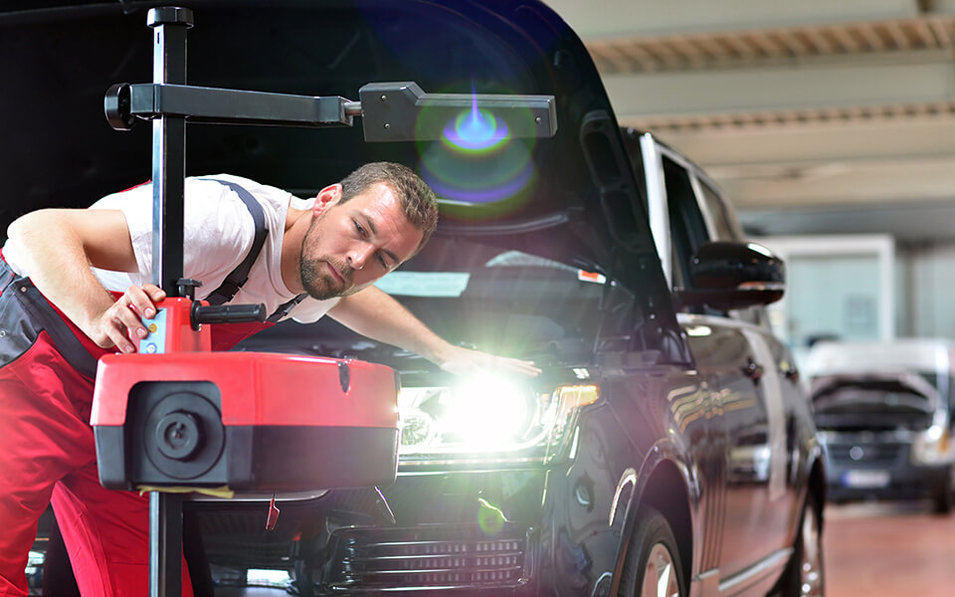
(668, 442)
(884, 411)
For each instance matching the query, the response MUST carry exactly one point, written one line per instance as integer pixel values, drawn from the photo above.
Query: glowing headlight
(483, 415)
(486, 412)
(933, 446)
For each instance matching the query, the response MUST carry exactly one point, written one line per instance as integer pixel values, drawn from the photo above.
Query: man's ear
(327, 197)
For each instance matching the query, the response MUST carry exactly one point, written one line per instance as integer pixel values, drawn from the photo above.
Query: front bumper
(882, 470)
(450, 559)
(454, 533)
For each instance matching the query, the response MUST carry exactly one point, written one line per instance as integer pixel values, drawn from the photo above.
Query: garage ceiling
(816, 116)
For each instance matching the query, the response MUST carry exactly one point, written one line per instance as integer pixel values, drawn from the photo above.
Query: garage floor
(889, 549)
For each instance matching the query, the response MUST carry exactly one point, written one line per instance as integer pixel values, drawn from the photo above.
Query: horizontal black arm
(125, 101)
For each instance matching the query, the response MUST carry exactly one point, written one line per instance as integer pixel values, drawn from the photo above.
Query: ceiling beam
(649, 18)
(916, 77)
(916, 136)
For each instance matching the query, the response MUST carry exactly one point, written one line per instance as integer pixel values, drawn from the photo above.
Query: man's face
(348, 247)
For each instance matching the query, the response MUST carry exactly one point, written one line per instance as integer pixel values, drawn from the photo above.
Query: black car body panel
(573, 251)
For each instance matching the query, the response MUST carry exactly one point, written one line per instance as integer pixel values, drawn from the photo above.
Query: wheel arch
(664, 488)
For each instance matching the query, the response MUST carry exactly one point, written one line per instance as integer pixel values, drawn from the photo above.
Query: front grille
(865, 453)
(429, 557)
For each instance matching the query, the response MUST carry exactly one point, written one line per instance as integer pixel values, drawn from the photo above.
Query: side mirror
(734, 275)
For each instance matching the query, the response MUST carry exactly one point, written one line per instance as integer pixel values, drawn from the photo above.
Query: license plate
(865, 479)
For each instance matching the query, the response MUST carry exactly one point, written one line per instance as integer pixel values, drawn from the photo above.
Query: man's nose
(360, 255)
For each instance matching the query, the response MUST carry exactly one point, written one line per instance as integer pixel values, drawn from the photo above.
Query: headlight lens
(485, 415)
(933, 446)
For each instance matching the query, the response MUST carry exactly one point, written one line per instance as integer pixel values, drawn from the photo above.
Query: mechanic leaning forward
(93, 267)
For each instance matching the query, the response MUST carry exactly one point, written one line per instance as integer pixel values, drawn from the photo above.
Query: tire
(805, 575)
(943, 497)
(652, 557)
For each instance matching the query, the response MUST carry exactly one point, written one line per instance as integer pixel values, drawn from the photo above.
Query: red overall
(47, 454)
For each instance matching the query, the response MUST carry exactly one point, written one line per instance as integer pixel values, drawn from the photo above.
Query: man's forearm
(373, 313)
(53, 256)
(56, 248)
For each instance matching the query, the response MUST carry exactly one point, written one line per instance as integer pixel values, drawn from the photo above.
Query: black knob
(178, 435)
(118, 107)
(169, 15)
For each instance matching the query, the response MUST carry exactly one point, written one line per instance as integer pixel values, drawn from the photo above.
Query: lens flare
(491, 518)
(481, 183)
(475, 130)
(477, 163)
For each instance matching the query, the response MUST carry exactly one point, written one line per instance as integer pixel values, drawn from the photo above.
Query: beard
(318, 283)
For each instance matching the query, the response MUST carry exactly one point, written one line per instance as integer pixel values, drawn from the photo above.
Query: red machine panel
(261, 388)
(175, 414)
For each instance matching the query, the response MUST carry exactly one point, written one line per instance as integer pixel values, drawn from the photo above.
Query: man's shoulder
(251, 185)
(268, 195)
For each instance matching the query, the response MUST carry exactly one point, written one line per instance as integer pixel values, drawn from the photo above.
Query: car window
(687, 227)
(720, 215)
(688, 230)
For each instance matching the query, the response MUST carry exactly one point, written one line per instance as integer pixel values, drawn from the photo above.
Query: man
(318, 256)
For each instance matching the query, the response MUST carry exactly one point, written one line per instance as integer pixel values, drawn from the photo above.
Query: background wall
(863, 287)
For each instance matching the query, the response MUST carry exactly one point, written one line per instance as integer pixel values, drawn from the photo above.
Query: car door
(777, 385)
(735, 358)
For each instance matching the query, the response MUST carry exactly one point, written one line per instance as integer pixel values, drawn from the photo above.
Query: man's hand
(123, 319)
(372, 312)
(464, 361)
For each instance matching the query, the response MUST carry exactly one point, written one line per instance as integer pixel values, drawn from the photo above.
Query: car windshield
(494, 299)
(844, 402)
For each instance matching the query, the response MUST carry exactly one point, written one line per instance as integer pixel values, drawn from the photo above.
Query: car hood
(570, 197)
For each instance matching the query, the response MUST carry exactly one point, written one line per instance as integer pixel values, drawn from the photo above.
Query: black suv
(667, 448)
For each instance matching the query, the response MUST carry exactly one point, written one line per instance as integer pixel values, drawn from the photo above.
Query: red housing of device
(188, 417)
(258, 388)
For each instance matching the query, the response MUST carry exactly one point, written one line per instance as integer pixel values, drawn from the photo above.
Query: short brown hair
(417, 199)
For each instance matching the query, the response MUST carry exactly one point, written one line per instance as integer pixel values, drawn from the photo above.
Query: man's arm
(375, 314)
(56, 248)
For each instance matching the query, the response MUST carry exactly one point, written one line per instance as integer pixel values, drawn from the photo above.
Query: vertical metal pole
(165, 544)
(169, 170)
(169, 147)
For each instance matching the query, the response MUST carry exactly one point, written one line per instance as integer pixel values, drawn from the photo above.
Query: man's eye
(383, 262)
(359, 228)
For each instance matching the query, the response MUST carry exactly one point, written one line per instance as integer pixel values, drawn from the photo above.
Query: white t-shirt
(218, 235)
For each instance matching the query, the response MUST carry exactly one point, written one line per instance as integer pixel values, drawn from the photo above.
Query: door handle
(752, 369)
(792, 374)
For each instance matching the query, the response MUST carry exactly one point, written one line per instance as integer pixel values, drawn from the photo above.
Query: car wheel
(804, 575)
(653, 567)
(943, 498)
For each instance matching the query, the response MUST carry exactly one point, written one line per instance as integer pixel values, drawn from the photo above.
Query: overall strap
(285, 308)
(237, 277)
(234, 281)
